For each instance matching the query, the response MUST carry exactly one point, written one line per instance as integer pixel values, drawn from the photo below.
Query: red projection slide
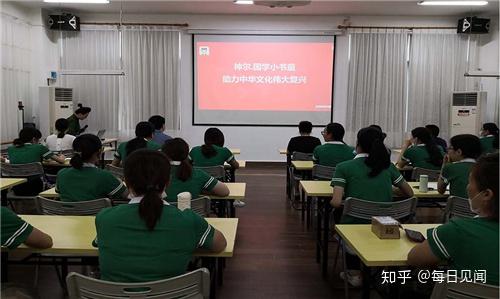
(270, 76)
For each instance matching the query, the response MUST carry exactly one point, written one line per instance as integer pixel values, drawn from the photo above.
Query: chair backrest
(300, 156)
(433, 174)
(457, 206)
(81, 208)
(215, 171)
(322, 172)
(22, 170)
(116, 171)
(195, 284)
(364, 209)
(200, 206)
(463, 290)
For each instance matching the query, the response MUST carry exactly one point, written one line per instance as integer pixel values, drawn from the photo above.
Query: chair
(28, 170)
(82, 208)
(116, 171)
(292, 176)
(300, 156)
(322, 172)
(432, 174)
(215, 171)
(464, 290)
(200, 206)
(457, 206)
(195, 284)
(364, 209)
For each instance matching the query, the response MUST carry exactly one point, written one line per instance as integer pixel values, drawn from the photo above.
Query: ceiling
(317, 7)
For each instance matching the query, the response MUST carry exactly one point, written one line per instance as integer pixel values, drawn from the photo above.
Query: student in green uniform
(84, 180)
(421, 151)
(185, 178)
(489, 138)
(148, 239)
(74, 120)
(369, 176)
(143, 139)
(462, 154)
(468, 243)
(16, 231)
(26, 149)
(213, 152)
(334, 150)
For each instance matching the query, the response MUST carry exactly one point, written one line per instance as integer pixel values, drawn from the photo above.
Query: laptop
(100, 134)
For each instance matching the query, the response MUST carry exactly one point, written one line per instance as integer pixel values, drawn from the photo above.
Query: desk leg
(302, 202)
(220, 268)
(318, 231)
(211, 264)
(365, 272)
(308, 212)
(232, 210)
(326, 233)
(5, 270)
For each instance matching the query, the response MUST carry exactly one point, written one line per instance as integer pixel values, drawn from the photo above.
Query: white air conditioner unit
(468, 109)
(54, 103)
(280, 3)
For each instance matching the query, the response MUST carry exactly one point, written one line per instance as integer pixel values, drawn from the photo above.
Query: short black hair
(144, 129)
(469, 144)
(158, 121)
(305, 127)
(337, 131)
(433, 129)
(83, 110)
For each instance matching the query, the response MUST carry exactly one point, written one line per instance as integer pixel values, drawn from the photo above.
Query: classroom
(249, 149)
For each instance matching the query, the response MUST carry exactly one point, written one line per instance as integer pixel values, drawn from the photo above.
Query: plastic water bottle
(184, 201)
(423, 183)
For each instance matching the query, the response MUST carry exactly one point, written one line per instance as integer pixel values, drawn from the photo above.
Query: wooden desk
(236, 191)
(303, 165)
(109, 141)
(242, 164)
(53, 163)
(375, 252)
(430, 194)
(6, 183)
(283, 152)
(235, 151)
(73, 235)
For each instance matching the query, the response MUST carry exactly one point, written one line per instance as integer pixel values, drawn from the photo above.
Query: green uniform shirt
(487, 144)
(332, 153)
(353, 177)
(121, 151)
(457, 175)
(418, 156)
(129, 252)
(468, 244)
(28, 153)
(73, 125)
(199, 160)
(200, 181)
(15, 231)
(88, 183)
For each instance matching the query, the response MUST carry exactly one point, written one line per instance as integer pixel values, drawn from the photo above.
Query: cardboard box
(385, 227)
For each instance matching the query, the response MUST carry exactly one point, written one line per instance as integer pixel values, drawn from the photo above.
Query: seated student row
(157, 240)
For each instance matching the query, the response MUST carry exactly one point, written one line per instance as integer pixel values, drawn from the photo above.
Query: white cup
(423, 183)
(184, 201)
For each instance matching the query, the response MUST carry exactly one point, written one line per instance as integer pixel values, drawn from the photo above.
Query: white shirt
(60, 144)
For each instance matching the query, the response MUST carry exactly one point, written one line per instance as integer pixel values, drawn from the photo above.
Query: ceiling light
(462, 3)
(78, 1)
(243, 2)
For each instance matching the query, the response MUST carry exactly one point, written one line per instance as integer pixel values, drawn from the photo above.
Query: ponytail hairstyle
(82, 110)
(62, 125)
(435, 156)
(147, 173)
(26, 135)
(370, 140)
(469, 145)
(85, 147)
(177, 150)
(337, 131)
(213, 136)
(143, 130)
(485, 175)
(378, 128)
(493, 130)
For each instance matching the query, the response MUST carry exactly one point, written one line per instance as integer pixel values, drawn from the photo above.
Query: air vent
(64, 94)
(277, 3)
(465, 99)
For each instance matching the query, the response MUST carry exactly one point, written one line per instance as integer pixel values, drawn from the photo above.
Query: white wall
(260, 143)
